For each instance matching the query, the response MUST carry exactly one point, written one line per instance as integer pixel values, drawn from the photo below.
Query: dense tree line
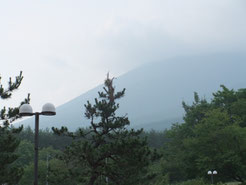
(47, 138)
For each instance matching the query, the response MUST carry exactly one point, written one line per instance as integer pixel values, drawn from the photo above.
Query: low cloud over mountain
(155, 91)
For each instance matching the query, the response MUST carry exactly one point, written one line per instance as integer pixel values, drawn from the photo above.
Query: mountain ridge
(155, 91)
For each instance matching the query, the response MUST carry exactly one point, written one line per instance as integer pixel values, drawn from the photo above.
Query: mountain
(155, 91)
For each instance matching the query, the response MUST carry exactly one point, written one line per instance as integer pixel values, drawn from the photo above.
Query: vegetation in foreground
(212, 137)
(9, 173)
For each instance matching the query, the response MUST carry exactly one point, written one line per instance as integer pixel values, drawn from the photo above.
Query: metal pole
(212, 178)
(36, 149)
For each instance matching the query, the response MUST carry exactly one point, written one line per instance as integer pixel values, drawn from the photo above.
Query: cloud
(54, 62)
(80, 41)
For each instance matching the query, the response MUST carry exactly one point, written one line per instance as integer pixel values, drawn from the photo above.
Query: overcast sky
(66, 47)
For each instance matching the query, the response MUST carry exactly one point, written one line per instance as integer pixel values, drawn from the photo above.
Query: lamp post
(47, 110)
(212, 173)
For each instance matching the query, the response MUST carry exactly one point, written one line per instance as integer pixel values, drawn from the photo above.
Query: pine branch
(12, 114)
(7, 93)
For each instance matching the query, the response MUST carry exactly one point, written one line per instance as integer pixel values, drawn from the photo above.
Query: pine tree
(107, 153)
(9, 173)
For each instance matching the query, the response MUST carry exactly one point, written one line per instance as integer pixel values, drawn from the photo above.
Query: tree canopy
(108, 152)
(213, 136)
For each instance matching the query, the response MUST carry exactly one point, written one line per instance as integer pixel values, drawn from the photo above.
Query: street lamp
(47, 110)
(212, 173)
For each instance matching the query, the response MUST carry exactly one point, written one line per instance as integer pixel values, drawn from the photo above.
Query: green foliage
(213, 136)
(47, 164)
(10, 172)
(59, 173)
(25, 151)
(233, 102)
(108, 150)
(155, 174)
(193, 182)
(8, 115)
(28, 177)
(155, 139)
(7, 92)
(49, 152)
(46, 138)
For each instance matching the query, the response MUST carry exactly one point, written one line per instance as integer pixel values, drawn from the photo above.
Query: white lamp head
(209, 173)
(215, 172)
(25, 110)
(48, 109)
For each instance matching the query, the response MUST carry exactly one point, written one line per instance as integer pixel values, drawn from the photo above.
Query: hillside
(155, 91)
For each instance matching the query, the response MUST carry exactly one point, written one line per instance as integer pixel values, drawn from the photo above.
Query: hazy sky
(66, 47)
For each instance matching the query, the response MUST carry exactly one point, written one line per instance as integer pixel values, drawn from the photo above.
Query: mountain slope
(154, 92)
